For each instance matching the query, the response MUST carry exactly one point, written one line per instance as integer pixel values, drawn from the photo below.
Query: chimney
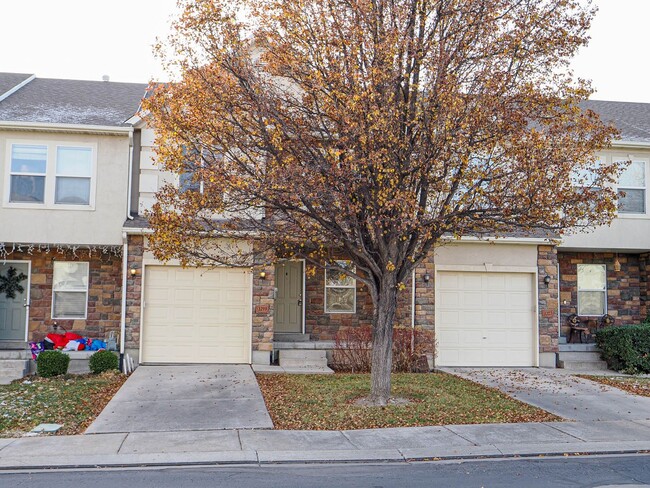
(106, 78)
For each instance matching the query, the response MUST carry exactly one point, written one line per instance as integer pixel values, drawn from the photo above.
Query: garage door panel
(195, 315)
(485, 319)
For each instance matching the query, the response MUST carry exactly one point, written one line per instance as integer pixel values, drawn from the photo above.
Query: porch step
(15, 354)
(580, 356)
(12, 345)
(303, 358)
(13, 369)
(290, 337)
(584, 365)
(578, 348)
(282, 345)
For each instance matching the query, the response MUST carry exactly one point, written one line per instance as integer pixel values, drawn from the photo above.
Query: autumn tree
(373, 129)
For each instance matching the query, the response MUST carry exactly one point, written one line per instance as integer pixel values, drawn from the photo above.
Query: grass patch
(637, 386)
(71, 400)
(326, 402)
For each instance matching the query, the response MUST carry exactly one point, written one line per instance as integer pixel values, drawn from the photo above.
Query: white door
(485, 319)
(195, 315)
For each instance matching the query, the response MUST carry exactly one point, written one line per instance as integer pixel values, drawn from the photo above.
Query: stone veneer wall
(547, 259)
(626, 292)
(263, 299)
(134, 293)
(104, 293)
(324, 326)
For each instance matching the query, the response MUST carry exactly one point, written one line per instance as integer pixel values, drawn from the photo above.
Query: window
(73, 175)
(592, 289)
(340, 290)
(28, 170)
(51, 175)
(69, 290)
(632, 189)
(188, 181)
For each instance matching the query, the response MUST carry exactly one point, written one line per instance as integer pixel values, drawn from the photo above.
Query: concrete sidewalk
(278, 446)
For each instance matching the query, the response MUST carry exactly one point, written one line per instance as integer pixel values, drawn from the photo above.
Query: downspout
(125, 265)
(125, 253)
(413, 311)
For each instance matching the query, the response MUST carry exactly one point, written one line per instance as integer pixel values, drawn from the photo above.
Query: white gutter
(16, 88)
(52, 127)
(413, 299)
(502, 240)
(125, 263)
(624, 143)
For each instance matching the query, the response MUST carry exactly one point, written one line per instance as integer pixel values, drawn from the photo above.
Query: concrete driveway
(185, 398)
(560, 392)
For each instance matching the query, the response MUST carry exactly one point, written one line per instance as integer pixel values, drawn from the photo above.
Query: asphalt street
(588, 471)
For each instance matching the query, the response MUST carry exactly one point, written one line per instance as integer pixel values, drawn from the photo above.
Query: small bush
(103, 361)
(626, 348)
(52, 363)
(353, 349)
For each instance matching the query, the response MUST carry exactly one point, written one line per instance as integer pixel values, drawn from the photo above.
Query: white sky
(85, 39)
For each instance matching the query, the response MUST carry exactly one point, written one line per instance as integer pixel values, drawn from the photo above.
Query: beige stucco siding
(628, 232)
(487, 254)
(100, 223)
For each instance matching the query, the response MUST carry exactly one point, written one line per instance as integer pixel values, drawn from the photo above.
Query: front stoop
(581, 357)
(298, 359)
(14, 364)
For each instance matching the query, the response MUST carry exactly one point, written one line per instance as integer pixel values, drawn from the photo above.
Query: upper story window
(28, 172)
(592, 289)
(50, 175)
(632, 189)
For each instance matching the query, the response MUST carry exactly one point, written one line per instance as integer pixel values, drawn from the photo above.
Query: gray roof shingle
(632, 119)
(79, 102)
(10, 80)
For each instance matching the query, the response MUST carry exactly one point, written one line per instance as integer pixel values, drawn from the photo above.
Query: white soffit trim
(16, 88)
(502, 240)
(623, 143)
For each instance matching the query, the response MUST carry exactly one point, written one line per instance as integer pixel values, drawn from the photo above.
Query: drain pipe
(413, 311)
(125, 265)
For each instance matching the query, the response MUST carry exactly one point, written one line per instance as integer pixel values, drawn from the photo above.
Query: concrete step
(303, 358)
(584, 365)
(13, 369)
(578, 348)
(290, 337)
(579, 356)
(15, 354)
(282, 345)
(13, 345)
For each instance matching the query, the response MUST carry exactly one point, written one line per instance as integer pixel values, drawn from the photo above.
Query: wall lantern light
(262, 274)
(547, 280)
(427, 277)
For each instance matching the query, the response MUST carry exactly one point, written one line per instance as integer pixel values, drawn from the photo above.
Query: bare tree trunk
(382, 341)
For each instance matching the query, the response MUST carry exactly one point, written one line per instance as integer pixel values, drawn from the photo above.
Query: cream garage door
(485, 319)
(196, 315)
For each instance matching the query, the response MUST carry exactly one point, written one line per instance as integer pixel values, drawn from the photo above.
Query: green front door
(14, 283)
(288, 300)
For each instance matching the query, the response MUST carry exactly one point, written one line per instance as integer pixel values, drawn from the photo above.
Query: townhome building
(79, 174)
(65, 157)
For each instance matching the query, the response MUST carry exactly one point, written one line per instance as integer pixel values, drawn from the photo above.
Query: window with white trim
(28, 171)
(51, 175)
(340, 289)
(592, 289)
(70, 290)
(632, 189)
(74, 169)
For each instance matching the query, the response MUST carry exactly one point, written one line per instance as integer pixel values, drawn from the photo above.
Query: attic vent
(106, 78)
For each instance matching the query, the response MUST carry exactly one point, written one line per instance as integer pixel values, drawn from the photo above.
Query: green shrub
(103, 361)
(52, 363)
(626, 348)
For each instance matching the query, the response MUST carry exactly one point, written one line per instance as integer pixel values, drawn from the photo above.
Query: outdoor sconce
(617, 264)
(133, 271)
(262, 275)
(547, 280)
(426, 277)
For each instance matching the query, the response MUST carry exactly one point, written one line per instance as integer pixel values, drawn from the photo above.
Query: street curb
(361, 460)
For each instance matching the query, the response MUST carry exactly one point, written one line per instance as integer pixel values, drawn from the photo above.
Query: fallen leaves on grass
(71, 400)
(327, 402)
(637, 386)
